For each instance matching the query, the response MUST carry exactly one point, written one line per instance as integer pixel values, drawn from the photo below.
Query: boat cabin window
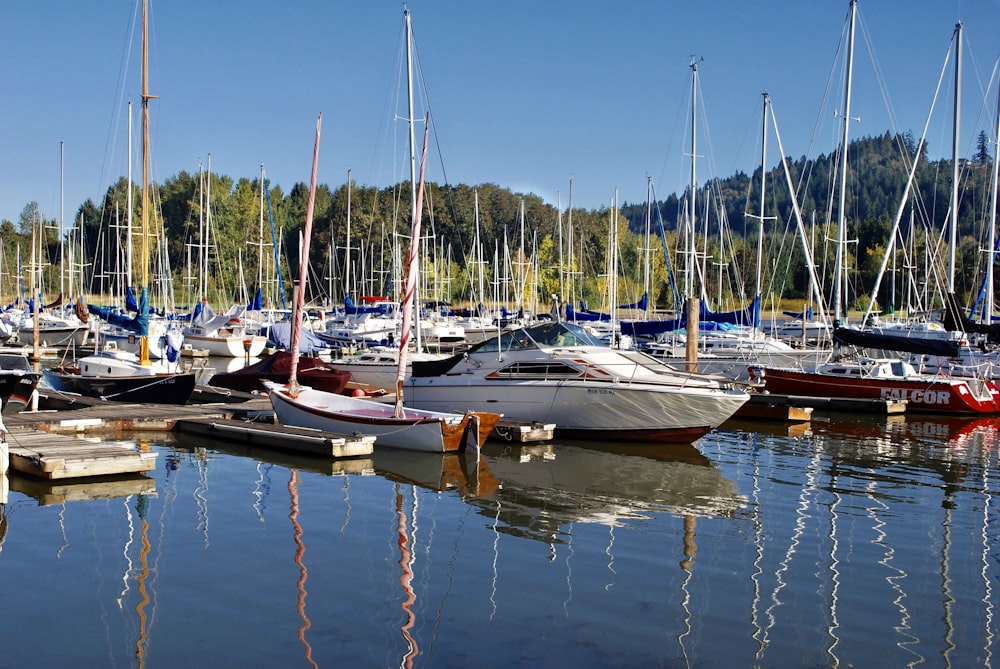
(543, 369)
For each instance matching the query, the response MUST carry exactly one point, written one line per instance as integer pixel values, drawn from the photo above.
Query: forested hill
(877, 178)
(466, 221)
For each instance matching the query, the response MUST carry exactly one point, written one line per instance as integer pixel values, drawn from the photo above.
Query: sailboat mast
(207, 239)
(646, 249)
(562, 262)
(953, 227)
(347, 251)
(410, 291)
(763, 190)
(413, 154)
(689, 270)
(693, 306)
(260, 236)
(143, 286)
(840, 273)
(988, 302)
(62, 222)
(293, 383)
(128, 200)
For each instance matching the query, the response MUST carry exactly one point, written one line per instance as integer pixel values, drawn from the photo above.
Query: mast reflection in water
(822, 545)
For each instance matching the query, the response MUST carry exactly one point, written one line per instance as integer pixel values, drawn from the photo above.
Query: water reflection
(856, 538)
(47, 492)
(545, 487)
(300, 550)
(854, 478)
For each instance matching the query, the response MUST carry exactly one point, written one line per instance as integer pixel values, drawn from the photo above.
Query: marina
(231, 439)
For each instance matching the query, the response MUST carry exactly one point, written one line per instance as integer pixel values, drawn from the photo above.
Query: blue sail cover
(574, 316)
(646, 329)
(130, 303)
(800, 315)
(749, 315)
(138, 325)
(641, 305)
(257, 303)
(352, 309)
(280, 334)
(585, 314)
(945, 348)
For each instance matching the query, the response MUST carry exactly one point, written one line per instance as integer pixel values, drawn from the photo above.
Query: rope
(132, 390)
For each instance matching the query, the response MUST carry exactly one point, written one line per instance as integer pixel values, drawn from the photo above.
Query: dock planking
(45, 443)
(121, 416)
(55, 456)
(297, 439)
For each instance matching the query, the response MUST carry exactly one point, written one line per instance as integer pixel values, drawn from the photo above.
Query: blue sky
(527, 94)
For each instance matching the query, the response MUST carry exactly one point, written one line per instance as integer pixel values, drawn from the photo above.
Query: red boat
(882, 379)
(276, 367)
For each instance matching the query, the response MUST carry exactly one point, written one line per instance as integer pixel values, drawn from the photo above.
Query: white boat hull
(623, 410)
(417, 431)
(228, 347)
(64, 337)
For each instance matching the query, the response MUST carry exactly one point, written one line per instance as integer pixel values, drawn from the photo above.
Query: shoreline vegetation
(523, 241)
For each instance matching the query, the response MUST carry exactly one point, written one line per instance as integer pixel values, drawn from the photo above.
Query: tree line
(527, 250)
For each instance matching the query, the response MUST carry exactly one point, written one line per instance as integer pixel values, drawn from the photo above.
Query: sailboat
(873, 377)
(112, 374)
(397, 426)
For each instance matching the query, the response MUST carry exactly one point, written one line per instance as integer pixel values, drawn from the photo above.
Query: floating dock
(296, 439)
(51, 456)
(760, 402)
(102, 416)
(508, 430)
(774, 408)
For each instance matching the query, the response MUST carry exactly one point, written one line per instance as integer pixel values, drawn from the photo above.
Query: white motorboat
(557, 373)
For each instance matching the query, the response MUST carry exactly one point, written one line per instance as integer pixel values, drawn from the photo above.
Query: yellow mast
(144, 339)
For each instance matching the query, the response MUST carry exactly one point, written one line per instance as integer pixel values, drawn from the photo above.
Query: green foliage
(380, 223)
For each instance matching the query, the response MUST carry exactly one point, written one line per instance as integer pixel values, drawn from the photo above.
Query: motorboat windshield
(544, 335)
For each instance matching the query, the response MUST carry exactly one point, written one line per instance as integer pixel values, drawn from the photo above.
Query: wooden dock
(508, 430)
(53, 456)
(42, 443)
(848, 404)
(297, 439)
(120, 416)
(763, 406)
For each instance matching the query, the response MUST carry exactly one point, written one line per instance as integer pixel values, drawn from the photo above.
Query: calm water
(855, 543)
